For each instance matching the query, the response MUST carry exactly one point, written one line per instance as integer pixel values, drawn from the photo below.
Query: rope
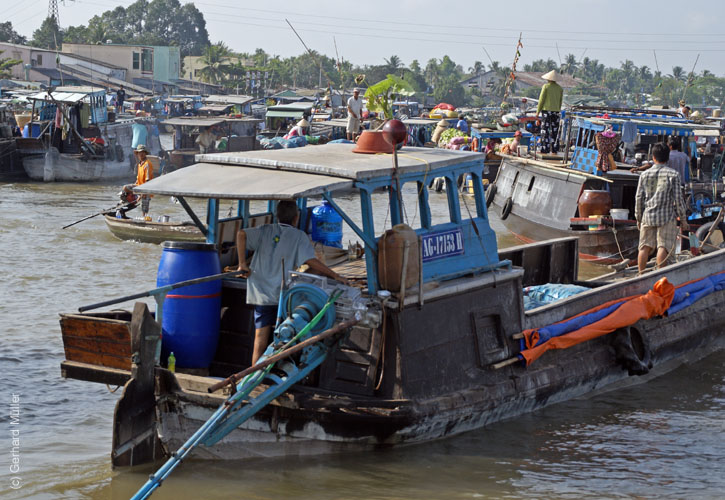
(478, 235)
(112, 390)
(616, 240)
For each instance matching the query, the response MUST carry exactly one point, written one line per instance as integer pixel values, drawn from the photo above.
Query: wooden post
(404, 274)
(134, 420)
(568, 138)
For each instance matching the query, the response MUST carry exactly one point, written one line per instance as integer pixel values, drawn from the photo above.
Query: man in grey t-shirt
(274, 244)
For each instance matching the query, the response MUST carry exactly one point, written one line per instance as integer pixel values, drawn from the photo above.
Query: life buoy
(474, 145)
(713, 241)
(506, 209)
(490, 194)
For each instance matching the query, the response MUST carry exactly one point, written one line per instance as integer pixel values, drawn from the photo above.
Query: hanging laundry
(629, 132)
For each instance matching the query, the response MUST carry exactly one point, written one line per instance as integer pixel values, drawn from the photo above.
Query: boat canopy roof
(339, 160)
(299, 172)
(215, 107)
(68, 95)
(193, 122)
(211, 180)
(229, 99)
(654, 126)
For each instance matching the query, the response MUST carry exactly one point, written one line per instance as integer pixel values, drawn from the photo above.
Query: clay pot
(371, 142)
(594, 202)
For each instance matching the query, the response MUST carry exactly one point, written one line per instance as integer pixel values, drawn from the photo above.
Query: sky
(368, 32)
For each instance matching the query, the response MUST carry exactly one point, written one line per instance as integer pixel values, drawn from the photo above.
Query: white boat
(88, 150)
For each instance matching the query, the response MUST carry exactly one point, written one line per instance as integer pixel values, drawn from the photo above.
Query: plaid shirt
(659, 196)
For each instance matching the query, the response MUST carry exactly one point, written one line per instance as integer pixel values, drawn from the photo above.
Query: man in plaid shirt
(657, 205)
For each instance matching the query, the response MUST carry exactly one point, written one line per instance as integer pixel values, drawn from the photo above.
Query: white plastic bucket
(619, 213)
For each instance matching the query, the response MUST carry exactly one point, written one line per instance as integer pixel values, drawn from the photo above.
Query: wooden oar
(117, 207)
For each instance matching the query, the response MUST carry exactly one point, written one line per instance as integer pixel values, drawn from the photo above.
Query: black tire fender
(702, 231)
(506, 209)
(490, 194)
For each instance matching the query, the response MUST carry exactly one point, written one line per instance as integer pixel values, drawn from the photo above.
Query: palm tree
(476, 68)
(216, 62)
(678, 73)
(393, 63)
(431, 72)
(570, 65)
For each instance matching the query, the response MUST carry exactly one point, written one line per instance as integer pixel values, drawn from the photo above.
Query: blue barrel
(326, 225)
(191, 314)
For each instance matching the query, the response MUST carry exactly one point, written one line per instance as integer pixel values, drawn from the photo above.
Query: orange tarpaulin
(653, 303)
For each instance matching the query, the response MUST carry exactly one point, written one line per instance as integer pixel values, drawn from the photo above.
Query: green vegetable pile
(449, 134)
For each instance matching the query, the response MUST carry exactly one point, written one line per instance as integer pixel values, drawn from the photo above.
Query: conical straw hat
(551, 76)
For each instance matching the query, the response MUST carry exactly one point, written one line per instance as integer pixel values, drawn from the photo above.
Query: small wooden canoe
(153, 232)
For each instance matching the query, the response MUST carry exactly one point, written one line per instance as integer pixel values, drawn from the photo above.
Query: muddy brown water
(664, 439)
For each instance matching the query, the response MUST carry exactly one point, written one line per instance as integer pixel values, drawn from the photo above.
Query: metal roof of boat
(296, 172)
(210, 180)
(193, 122)
(339, 160)
(215, 107)
(300, 106)
(229, 99)
(63, 96)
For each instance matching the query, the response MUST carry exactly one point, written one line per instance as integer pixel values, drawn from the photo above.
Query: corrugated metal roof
(338, 160)
(285, 114)
(209, 180)
(67, 97)
(229, 99)
(301, 106)
(193, 122)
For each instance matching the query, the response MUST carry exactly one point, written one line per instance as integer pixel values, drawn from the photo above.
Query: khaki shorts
(353, 125)
(659, 236)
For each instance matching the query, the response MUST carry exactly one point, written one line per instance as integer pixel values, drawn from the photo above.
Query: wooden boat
(153, 231)
(239, 134)
(538, 200)
(94, 151)
(439, 357)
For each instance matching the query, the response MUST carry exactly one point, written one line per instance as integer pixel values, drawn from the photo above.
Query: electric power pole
(53, 11)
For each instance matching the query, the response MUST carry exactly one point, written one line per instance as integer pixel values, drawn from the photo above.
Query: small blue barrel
(191, 314)
(326, 225)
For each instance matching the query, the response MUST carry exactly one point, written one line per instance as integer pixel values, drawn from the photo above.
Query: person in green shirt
(549, 110)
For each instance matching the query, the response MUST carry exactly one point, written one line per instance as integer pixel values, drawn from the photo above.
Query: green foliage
(158, 22)
(450, 90)
(48, 36)
(380, 96)
(217, 63)
(8, 34)
(5, 65)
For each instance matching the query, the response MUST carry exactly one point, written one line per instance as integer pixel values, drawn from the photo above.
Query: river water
(663, 439)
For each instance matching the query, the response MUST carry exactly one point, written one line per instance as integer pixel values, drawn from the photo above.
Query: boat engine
(305, 297)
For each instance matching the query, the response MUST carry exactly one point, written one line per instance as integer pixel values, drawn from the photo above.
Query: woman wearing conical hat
(549, 110)
(299, 130)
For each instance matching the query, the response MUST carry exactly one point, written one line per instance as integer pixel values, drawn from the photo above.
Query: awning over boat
(193, 122)
(209, 180)
(216, 107)
(338, 160)
(285, 114)
(229, 99)
(65, 97)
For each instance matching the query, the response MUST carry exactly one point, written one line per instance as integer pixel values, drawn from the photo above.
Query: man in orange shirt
(145, 172)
